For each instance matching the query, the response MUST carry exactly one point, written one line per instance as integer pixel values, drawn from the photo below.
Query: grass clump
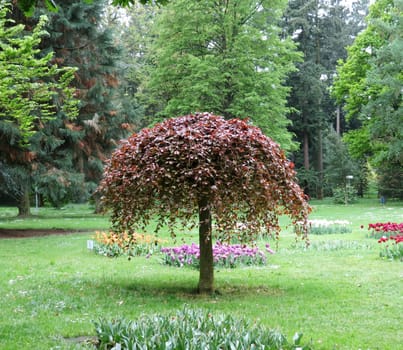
(191, 329)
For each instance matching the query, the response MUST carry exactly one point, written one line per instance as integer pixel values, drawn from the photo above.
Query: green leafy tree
(226, 57)
(133, 25)
(223, 170)
(26, 94)
(369, 84)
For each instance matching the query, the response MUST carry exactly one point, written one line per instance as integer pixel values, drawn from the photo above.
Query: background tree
(29, 85)
(69, 155)
(226, 57)
(224, 170)
(133, 26)
(322, 30)
(28, 6)
(369, 84)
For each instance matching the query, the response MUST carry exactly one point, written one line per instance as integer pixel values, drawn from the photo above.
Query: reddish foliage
(166, 171)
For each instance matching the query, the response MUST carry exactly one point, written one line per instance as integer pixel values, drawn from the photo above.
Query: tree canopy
(28, 6)
(226, 57)
(225, 170)
(369, 83)
(28, 82)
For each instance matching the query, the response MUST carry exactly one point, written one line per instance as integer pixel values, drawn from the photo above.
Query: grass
(340, 294)
(71, 217)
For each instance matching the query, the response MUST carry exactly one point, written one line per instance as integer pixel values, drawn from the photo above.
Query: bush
(191, 330)
(344, 195)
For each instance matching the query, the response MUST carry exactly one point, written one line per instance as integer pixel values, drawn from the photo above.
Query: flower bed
(225, 255)
(387, 229)
(112, 244)
(391, 247)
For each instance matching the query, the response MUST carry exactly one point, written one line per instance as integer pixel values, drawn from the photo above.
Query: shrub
(191, 330)
(344, 195)
(224, 255)
(112, 244)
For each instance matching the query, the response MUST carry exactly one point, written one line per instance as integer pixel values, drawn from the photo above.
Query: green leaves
(369, 84)
(192, 329)
(224, 57)
(27, 88)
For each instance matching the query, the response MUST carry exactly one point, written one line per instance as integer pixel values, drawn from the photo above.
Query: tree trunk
(23, 203)
(338, 120)
(319, 192)
(206, 279)
(306, 150)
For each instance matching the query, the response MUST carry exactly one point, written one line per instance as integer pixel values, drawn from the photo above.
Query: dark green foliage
(65, 158)
(192, 330)
(338, 163)
(322, 29)
(390, 180)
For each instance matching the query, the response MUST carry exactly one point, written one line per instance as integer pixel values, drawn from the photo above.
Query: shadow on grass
(185, 288)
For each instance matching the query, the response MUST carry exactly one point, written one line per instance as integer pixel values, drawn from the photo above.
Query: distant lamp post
(348, 184)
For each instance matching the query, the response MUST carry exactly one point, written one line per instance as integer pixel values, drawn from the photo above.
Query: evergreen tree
(321, 30)
(28, 88)
(69, 155)
(226, 57)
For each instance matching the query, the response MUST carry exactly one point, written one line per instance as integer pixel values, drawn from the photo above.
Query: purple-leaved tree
(226, 171)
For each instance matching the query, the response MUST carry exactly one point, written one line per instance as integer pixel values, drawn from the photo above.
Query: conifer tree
(28, 87)
(322, 30)
(69, 154)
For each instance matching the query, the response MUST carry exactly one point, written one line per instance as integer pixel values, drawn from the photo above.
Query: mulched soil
(26, 233)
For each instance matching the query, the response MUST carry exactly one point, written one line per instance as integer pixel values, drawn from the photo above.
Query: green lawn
(339, 293)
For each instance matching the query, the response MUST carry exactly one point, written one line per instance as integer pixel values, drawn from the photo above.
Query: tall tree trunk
(338, 120)
(23, 203)
(206, 279)
(306, 151)
(319, 192)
